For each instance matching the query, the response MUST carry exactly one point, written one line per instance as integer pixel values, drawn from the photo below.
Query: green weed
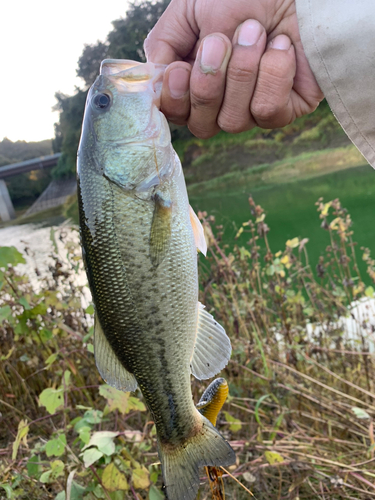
(300, 415)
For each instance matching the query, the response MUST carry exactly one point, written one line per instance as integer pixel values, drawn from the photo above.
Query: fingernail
(178, 82)
(281, 42)
(249, 33)
(213, 53)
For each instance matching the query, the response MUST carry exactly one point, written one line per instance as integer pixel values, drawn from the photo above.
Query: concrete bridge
(6, 205)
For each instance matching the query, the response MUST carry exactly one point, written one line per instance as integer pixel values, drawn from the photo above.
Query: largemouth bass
(139, 242)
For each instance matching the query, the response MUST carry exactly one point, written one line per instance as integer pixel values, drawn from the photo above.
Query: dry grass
(302, 405)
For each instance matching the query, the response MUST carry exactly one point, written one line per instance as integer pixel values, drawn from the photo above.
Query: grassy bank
(300, 415)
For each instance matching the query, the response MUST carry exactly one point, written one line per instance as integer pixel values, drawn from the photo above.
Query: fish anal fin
(109, 366)
(200, 240)
(212, 347)
(160, 235)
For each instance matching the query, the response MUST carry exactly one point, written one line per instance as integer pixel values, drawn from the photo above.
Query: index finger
(172, 37)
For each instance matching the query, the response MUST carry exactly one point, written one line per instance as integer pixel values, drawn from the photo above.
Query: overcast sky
(40, 43)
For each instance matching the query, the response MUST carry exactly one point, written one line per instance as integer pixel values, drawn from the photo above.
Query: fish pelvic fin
(181, 465)
(212, 347)
(198, 231)
(108, 364)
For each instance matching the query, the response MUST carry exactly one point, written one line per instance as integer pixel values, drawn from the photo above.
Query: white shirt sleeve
(338, 37)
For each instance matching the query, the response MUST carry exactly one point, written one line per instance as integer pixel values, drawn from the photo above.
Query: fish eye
(101, 101)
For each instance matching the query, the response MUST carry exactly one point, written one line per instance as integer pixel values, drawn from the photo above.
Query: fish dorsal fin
(212, 347)
(198, 232)
(160, 235)
(109, 366)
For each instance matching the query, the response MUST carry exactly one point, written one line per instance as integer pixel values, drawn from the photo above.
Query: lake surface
(291, 210)
(290, 215)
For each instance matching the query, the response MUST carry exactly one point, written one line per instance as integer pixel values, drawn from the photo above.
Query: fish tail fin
(181, 466)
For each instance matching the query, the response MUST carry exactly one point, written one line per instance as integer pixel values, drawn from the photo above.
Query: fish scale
(139, 241)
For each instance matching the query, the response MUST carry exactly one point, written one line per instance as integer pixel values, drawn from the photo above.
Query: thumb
(172, 37)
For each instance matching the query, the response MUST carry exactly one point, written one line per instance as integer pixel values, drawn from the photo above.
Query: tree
(69, 130)
(128, 34)
(89, 62)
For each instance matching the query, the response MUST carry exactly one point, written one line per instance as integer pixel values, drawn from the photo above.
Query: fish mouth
(133, 76)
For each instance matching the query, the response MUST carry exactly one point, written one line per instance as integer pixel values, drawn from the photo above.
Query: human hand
(233, 65)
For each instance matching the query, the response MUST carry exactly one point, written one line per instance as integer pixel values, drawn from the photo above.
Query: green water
(291, 209)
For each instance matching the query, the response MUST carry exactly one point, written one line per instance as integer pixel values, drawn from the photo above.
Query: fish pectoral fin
(109, 366)
(160, 235)
(200, 240)
(212, 347)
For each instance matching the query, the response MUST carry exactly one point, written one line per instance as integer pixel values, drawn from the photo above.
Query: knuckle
(265, 109)
(240, 75)
(201, 100)
(233, 123)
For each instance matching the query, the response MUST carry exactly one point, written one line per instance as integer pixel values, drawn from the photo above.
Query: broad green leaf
(40, 308)
(369, 292)
(270, 271)
(52, 399)
(84, 434)
(117, 495)
(98, 492)
(103, 440)
(273, 458)
(57, 469)
(155, 494)
(154, 476)
(93, 416)
(10, 255)
(51, 359)
(244, 253)
(90, 309)
(90, 348)
(113, 479)
(235, 423)
(77, 491)
(116, 399)
(90, 456)
(141, 478)
(23, 429)
(60, 496)
(8, 490)
(135, 404)
(359, 413)
(33, 468)
(24, 303)
(56, 447)
(5, 312)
